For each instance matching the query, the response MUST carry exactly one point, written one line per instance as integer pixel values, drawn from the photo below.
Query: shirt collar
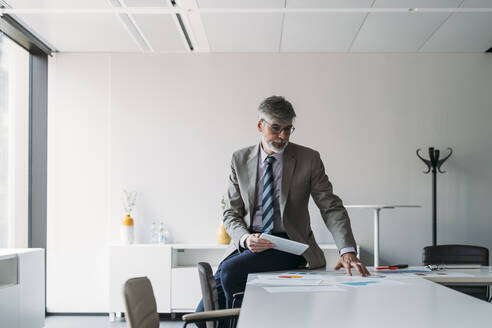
(264, 155)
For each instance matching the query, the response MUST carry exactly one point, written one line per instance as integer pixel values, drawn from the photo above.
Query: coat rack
(434, 164)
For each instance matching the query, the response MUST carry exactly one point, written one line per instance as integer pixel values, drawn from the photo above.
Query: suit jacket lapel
(289, 164)
(252, 171)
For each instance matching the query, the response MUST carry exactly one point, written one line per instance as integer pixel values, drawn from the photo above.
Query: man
(269, 188)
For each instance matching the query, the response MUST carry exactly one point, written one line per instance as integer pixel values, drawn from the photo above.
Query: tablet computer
(286, 245)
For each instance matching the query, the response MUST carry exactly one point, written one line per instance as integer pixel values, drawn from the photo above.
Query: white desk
(415, 303)
(482, 276)
(377, 209)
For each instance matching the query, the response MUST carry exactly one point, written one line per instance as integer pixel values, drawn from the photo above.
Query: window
(14, 144)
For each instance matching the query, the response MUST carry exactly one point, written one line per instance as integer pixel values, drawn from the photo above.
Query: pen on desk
(393, 267)
(387, 268)
(400, 266)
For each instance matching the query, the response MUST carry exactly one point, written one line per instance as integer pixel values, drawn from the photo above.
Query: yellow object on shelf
(222, 236)
(127, 221)
(127, 230)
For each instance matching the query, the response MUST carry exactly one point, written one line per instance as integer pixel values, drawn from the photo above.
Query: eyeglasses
(278, 129)
(436, 267)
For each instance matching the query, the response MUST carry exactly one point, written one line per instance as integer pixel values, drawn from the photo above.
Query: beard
(276, 145)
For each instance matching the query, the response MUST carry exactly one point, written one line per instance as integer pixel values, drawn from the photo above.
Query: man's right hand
(256, 244)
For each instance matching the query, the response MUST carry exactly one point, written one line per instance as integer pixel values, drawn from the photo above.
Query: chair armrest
(211, 315)
(237, 297)
(237, 294)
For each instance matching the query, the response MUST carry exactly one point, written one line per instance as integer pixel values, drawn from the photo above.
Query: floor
(98, 321)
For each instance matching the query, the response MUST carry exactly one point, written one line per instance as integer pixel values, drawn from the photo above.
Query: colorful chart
(289, 277)
(360, 283)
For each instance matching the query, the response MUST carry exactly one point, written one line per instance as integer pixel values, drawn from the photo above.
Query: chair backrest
(141, 308)
(210, 297)
(455, 254)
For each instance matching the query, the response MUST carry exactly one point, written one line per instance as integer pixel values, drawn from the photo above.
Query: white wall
(14, 181)
(18, 150)
(78, 160)
(166, 125)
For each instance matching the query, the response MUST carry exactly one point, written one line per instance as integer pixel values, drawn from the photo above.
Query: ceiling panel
(401, 32)
(397, 32)
(243, 32)
(82, 32)
(477, 4)
(237, 32)
(417, 3)
(329, 3)
(320, 32)
(162, 32)
(145, 3)
(58, 4)
(241, 3)
(462, 32)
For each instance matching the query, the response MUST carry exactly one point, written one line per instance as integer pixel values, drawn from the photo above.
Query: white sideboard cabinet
(22, 292)
(172, 271)
(132, 261)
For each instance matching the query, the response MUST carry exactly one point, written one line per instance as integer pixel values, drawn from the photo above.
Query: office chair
(459, 254)
(140, 305)
(212, 314)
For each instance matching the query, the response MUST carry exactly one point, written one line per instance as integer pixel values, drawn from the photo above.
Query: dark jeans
(232, 272)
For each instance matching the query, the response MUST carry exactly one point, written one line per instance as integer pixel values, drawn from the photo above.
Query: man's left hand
(350, 261)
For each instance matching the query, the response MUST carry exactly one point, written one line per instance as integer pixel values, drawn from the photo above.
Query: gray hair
(276, 107)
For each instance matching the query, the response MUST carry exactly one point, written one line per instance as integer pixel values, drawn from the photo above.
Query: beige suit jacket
(303, 175)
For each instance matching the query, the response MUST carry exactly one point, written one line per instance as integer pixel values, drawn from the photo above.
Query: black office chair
(459, 254)
(212, 314)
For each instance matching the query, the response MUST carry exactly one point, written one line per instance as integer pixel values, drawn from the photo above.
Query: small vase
(222, 237)
(127, 231)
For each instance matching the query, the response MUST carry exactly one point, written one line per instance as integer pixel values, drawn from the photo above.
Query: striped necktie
(267, 198)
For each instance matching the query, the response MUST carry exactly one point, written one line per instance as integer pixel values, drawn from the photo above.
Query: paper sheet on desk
(286, 282)
(372, 283)
(441, 274)
(401, 271)
(303, 289)
(292, 275)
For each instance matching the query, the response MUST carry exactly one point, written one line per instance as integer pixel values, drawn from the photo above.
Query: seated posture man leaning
(269, 188)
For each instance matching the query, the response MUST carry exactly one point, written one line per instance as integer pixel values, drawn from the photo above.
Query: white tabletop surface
(415, 302)
(379, 206)
(474, 276)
